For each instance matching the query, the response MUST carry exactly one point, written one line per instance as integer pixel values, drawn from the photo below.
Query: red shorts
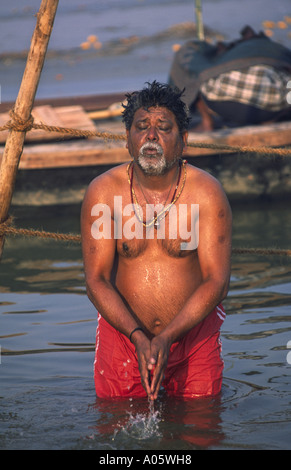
(194, 365)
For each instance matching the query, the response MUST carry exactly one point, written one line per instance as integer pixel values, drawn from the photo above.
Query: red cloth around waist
(194, 366)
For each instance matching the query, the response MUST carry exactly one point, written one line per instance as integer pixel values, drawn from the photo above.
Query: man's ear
(127, 135)
(185, 140)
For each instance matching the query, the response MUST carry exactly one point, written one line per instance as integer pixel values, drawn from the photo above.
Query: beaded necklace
(157, 216)
(170, 190)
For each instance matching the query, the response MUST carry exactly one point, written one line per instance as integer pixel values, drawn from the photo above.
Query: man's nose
(152, 134)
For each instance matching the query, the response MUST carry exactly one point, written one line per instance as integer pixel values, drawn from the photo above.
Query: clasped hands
(152, 359)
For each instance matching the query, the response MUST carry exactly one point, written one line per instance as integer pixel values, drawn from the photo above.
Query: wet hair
(157, 94)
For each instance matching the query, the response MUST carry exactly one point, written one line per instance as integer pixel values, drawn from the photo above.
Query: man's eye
(144, 126)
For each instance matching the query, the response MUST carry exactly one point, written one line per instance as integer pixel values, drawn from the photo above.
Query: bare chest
(174, 230)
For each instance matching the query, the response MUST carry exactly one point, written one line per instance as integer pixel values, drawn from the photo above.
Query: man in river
(156, 267)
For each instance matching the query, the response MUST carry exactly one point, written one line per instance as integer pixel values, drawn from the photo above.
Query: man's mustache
(151, 145)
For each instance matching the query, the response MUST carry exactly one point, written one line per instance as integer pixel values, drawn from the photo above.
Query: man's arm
(98, 258)
(214, 254)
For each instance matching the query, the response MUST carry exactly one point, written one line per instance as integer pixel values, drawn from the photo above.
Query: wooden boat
(56, 169)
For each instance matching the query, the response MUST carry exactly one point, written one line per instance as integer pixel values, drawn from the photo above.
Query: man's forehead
(159, 112)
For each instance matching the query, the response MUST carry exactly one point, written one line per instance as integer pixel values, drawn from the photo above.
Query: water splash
(142, 426)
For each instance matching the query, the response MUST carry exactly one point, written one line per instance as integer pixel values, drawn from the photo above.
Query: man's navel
(157, 323)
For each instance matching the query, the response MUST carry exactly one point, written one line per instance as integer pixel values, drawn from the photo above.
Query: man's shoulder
(207, 191)
(201, 181)
(110, 178)
(103, 186)
(113, 174)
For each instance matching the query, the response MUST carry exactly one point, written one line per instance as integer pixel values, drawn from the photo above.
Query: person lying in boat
(156, 286)
(237, 84)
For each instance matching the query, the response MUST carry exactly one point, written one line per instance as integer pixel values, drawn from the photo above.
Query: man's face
(154, 140)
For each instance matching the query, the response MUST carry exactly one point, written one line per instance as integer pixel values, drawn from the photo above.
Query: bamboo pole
(199, 20)
(24, 103)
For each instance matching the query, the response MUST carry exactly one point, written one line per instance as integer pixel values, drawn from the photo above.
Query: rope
(79, 133)
(261, 251)
(237, 148)
(7, 229)
(18, 124)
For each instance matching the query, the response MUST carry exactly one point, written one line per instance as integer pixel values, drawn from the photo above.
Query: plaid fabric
(261, 86)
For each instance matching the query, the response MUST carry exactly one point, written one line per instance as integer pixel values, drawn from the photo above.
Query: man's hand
(152, 359)
(158, 360)
(143, 351)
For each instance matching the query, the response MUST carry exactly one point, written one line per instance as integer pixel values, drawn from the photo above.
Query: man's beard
(154, 165)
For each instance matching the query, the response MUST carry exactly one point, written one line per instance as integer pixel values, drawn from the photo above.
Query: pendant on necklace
(156, 223)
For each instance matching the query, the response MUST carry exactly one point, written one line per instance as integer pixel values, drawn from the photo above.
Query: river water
(119, 64)
(47, 334)
(47, 324)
